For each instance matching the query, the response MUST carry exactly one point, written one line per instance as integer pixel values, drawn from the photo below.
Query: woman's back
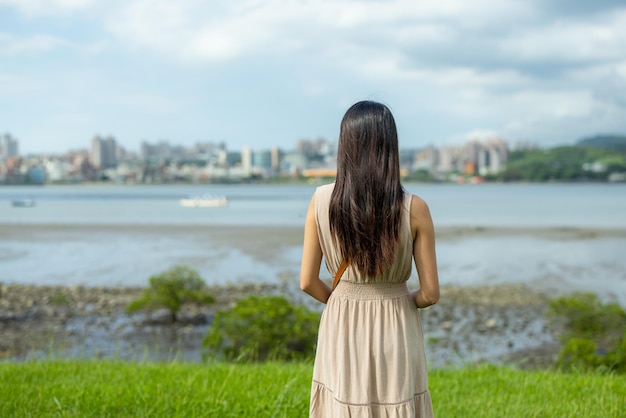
(370, 359)
(399, 271)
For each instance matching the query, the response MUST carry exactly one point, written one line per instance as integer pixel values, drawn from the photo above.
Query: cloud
(545, 68)
(190, 31)
(229, 30)
(577, 8)
(11, 45)
(161, 25)
(146, 103)
(579, 42)
(16, 86)
(35, 8)
(611, 89)
(448, 33)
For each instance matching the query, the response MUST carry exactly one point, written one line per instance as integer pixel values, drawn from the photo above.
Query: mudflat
(499, 324)
(479, 322)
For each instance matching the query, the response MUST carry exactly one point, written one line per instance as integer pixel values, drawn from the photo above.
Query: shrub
(578, 354)
(260, 328)
(172, 289)
(586, 317)
(616, 359)
(593, 334)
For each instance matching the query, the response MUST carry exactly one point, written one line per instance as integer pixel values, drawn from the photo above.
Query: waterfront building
(8, 146)
(103, 152)
(470, 156)
(262, 162)
(426, 159)
(293, 163)
(449, 160)
(493, 156)
(276, 155)
(161, 151)
(36, 174)
(246, 161)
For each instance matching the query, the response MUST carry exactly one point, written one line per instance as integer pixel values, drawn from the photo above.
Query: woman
(370, 359)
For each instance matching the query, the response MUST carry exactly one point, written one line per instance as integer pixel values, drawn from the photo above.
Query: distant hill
(616, 142)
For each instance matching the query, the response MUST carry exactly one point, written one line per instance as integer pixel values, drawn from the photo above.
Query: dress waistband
(352, 290)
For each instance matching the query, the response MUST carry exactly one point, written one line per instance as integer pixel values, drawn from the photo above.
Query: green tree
(172, 289)
(260, 328)
(593, 333)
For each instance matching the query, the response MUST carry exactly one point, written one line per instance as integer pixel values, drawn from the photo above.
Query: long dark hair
(366, 203)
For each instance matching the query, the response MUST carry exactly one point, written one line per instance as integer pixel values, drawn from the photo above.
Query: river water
(557, 237)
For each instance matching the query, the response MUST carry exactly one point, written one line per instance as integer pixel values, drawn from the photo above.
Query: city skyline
(163, 162)
(266, 73)
(114, 146)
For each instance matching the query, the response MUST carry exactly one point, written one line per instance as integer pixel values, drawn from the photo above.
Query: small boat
(204, 202)
(23, 203)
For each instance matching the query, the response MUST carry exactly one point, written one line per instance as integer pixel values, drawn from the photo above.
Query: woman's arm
(312, 259)
(424, 253)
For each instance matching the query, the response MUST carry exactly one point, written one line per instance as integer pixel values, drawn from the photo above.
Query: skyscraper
(103, 152)
(8, 146)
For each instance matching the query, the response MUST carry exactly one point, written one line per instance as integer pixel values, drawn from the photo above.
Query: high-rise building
(103, 152)
(246, 160)
(262, 161)
(275, 157)
(472, 153)
(493, 156)
(426, 159)
(449, 159)
(8, 146)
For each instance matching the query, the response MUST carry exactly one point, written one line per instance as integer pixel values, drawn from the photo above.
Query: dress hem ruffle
(324, 404)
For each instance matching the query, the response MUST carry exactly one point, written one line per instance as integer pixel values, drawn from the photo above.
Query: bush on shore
(260, 328)
(172, 289)
(593, 334)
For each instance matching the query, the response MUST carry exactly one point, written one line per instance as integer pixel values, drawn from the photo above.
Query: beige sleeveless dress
(370, 359)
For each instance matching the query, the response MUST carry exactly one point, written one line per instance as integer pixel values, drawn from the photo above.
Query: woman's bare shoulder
(418, 206)
(420, 215)
(326, 187)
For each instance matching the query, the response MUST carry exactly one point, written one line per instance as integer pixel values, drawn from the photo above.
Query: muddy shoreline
(496, 324)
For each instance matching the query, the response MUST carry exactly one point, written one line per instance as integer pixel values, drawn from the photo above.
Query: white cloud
(577, 40)
(229, 30)
(34, 8)
(518, 67)
(145, 103)
(611, 89)
(559, 114)
(11, 45)
(161, 25)
(15, 86)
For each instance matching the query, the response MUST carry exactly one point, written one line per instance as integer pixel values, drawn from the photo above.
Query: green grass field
(124, 389)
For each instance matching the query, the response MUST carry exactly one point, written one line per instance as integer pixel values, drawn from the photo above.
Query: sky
(264, 73)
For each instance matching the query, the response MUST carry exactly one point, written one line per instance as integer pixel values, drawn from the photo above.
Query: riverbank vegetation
(79, 388)
(588, 379)
(594, 159)
(260, 328)
(171, 289)
(593, 333)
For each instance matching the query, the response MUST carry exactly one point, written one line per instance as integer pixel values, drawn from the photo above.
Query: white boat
(204, 202)
(23, 203)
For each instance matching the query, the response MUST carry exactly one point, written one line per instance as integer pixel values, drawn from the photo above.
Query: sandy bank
(290, 235)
